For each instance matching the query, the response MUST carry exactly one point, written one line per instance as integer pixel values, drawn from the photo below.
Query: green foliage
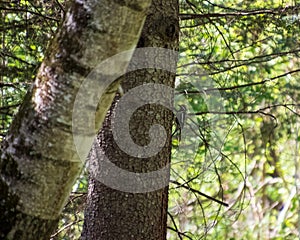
(248, 152)
(26, 27)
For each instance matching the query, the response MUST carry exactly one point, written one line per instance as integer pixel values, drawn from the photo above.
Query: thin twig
(275, 11)
(175, 225)
(200, 193)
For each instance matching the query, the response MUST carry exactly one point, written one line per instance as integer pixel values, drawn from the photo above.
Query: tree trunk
(39, 162)
(121, 203)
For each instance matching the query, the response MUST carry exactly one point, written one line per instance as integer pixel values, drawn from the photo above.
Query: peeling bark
(39, 162)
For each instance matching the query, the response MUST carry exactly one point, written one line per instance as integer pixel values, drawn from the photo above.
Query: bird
(180, 118)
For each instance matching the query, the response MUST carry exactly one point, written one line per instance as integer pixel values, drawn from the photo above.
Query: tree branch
(200, 193)
(28, 11)
(276, 11)
(237, 86)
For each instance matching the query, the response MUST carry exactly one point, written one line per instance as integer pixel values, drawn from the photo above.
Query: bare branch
(238, 86)
(28, 11)
(175, 225)
(276, 11)
(200, 193)
(179, 233)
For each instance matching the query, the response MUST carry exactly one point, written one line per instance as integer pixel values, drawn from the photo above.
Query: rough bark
(39, 162)
(112, 213)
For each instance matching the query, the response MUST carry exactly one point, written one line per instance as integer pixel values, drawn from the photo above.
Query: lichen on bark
(39, 162)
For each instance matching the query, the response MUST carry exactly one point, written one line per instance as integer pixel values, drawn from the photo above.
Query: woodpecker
(179, 120)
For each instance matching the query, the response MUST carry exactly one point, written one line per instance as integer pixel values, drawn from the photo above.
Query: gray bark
(110, 212)
(39, 162)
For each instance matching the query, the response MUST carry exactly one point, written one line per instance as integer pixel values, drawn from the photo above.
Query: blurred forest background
(238, 74)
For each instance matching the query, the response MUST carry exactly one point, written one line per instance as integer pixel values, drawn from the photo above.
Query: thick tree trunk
(128, 208)
(39, 162)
